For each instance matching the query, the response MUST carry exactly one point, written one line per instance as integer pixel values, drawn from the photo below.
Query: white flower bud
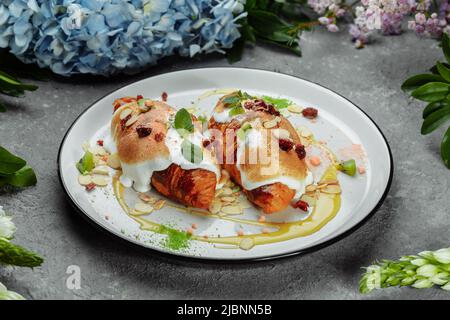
(440, 279)
(442, 255)
(422, 284)
(446, 287)
(7, 227)
(419, 262)
(9, 295)
(427, 270)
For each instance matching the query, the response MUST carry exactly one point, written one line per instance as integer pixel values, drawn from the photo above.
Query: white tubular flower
(419, 262)
(422, 284)
(9, 295)
(442, 255)
(7, 227)
(427, 270)
(440, 279)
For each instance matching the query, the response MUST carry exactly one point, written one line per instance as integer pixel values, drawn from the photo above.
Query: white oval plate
(340, 124)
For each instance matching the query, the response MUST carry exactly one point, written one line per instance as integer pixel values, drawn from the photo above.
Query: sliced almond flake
(99, 181)
(270, 124)
(125, 113)
(84, 180)
(232, 209)
(215, 207)
(311, 188)
(132, 120)
(305, 132)
(143, 207)
(113, 161)
(143, 108)
(329, 182)
(226, 192)
(159, 204)
(321, 186)
(228, 199)
(295, 108)
(146, 198)
(332, 189)
(281, 134)
(246, 244)
(244, 204)
(101, 170)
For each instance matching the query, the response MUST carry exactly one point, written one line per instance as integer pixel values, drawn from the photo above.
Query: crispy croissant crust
(194, 188)
(272, 197)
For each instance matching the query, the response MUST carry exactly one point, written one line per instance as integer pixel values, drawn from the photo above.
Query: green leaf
(10, 163)
(191, 152)
(443, 71)
(25, 177)
(348, 167)
(16, 255)
(435, 119)
(434, 106)
(238, 109)
(431, 92)
(434, 69)
(419, 80)
(183, 121)
(446, 46)
(445, 148)
(86, 163)
(279, 103)
(231, 100)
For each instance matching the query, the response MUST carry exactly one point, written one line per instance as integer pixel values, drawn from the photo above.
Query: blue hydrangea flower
(109, 36)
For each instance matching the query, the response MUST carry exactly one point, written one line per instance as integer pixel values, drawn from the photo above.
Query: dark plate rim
(176, 256)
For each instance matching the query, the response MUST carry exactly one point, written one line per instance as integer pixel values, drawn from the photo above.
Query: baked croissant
(271, 190)
(150, 153)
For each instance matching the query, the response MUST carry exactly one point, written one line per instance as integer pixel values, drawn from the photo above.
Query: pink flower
(324, 20)
(411, 25)
(420, 18)
(332, 27)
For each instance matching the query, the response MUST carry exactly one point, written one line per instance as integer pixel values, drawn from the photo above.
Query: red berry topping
(164, 96)
(143, 131)
(100, 143)
(310, 113)
(300, 150)
(302, 205)
(285, 144)
(90, 186)
(159, 137)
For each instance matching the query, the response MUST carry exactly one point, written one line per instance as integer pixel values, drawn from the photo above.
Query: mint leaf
(191, 152)
(348, 167)
(10, 163)
(236, 110)
(278, 103)
(445, 148)
(86, 163)
(18, 256)
(183, 120)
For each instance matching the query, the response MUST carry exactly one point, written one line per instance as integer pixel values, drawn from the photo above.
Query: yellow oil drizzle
(326, 208)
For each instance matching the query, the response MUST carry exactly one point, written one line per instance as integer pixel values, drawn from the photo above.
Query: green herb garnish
(236, 110)
(424, 270)
(434, 88)
(348, 167)
(278, 103)
(242, 131)
(86, 163)
(15, 171)
(175, 239)
(191, 152)
(183, 121)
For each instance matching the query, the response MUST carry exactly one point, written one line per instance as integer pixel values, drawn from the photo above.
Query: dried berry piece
(310, 113)
(300, 150)
(100, 143)
(302, 205)
(164, 96)
(159, 137)
(124, 121)
(90, 186)
(206, 143)
(285, 144)
(143, 131)
(139, 97)
(271, 109)
(249, 105)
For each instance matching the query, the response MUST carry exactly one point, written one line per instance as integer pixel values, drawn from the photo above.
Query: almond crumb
(240, 232)
(194, 226)
(265, 230)
(361, 170)
(262, 219)
(315, 161)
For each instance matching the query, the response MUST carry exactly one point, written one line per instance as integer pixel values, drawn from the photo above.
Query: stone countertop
(414, 217)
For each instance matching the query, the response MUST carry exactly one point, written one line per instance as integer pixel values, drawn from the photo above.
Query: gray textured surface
(415, 215)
